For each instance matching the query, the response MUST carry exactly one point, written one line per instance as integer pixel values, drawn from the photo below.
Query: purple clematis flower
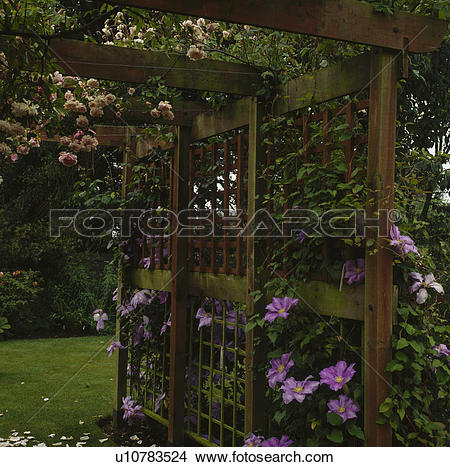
(337, 376)
(166, 324)
(344, 406)
(280, 367)
(204, 317)
(159, 401)
(100, 317)
(301, 237)
(298, 389)
(354, 272)
(279, 308)
(402, 243)
(113, 346)
(442, 350)
(132, 412)
(125, 308)
(115, 295)
(277, 443)
(145, 263)
(422, 284)
(253, 441)
(142, 332)
(141, 297)
(163, 296)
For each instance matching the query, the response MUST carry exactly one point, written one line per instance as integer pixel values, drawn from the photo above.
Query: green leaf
(334, 419)
(394, 366)
(279, 415)
(418, 347)
(402, 343)
(336, 436)
(355, 431)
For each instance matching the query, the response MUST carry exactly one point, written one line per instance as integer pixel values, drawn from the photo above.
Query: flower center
(339, 379)
(280, 368)
(341, 409)
(250, 444)
(298, 389)
(358, 270)
(425, 284)
(281, 310)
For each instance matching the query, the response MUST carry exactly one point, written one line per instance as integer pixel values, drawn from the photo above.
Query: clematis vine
(344, 407)
(280, 367)
(354, 271)
(442, 350)
(402, 243)
(337, 376)
(279, 308)
(100, 317)
(421, 285)
(298, 390)
(277, 443)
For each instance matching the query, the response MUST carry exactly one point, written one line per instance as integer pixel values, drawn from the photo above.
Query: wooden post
(179, 294)
(254, 380)
(121, 356)
(378, 278)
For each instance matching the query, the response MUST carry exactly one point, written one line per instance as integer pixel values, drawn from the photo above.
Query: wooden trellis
(225, 268)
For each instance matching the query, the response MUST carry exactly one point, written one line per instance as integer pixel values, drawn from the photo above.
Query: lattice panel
(217, 185)
(215, 372)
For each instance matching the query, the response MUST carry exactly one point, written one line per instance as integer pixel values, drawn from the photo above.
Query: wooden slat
(137, 66)
(378, 277)
(256, 252)
(121, 356)
(346, 20)
(179, 294)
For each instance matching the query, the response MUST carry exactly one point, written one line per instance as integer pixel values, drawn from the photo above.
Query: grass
(74, 373)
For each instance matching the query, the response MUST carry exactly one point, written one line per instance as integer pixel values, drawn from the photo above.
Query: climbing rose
(131, 411)
(82, 121)
(92, 83)
(100, 317)
(298, 389)
(67, 159)
(113, 346)
(196, 52)
(422, 284)
(131, 91)
(344, 407)
(279, 308)
(204, 317)
(277, 443)
(337, 376)
(164, 106)
(354, 272)
(253, 440)
(280, 366)
(402, 243)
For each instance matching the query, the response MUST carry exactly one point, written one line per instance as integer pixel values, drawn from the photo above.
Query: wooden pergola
(378, 72)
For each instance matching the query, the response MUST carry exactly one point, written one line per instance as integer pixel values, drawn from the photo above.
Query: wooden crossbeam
(346, 20)
(137, 66)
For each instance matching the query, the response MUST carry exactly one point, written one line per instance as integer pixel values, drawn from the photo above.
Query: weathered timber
(346, 20)
(378, 276)
(121, 334)
(256, 252)
(137, 66)
(179, 294)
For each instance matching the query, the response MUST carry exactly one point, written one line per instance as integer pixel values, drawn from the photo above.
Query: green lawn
(76, 376)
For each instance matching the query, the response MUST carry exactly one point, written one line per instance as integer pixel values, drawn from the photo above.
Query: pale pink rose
(75, 146)
(65, 140)
(96, 112)
(82, 121)
(53, 97)
(80, 108)
(34, 142)
(164, 106)
(78, 134)
(68, 159)
(68, 96)
(168, 115)
(22, 149)
(5, 149)
(14, 157)
(92, 83)
(196, 52)
(226, 34)
(131, 91)
(57, 78)
(155, 113)
(110, 98)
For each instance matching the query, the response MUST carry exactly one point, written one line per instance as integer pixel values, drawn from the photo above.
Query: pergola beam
(346, 20)
(89, 60)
